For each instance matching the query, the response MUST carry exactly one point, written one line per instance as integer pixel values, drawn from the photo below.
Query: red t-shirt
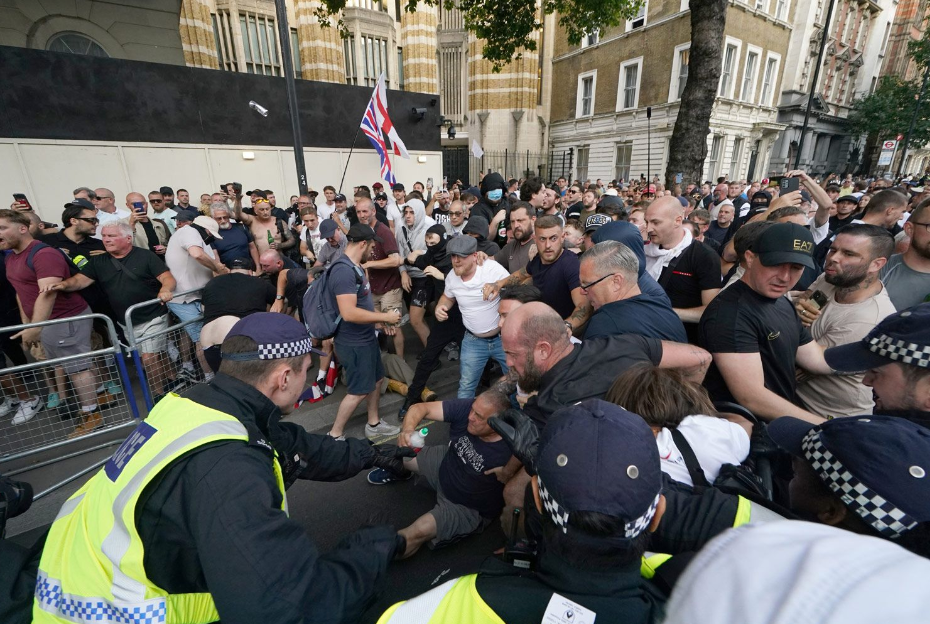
(383, 280)
(48, 262)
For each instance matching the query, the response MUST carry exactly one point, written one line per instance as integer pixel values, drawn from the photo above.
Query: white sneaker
(381, 429)
(8, 406)
(27, 410)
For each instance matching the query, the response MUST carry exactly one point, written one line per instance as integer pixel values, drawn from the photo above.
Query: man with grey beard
(237, 241)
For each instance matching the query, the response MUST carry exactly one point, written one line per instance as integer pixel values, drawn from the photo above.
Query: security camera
(419, 113)
(451, 132)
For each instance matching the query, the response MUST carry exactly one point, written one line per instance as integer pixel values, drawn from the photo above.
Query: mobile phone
(789, 185)
(139, 207)
(819, 299)
(429, 182)
(20, 198)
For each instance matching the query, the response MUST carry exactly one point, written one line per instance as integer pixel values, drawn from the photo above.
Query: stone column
(321, 56)
(197, 37)
(419, 40)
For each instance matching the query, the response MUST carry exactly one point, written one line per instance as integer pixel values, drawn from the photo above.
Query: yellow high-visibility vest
(92, 565)
(455, 601)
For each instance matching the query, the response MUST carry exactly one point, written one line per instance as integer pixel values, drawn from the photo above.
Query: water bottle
(418, 439)
(258, 108)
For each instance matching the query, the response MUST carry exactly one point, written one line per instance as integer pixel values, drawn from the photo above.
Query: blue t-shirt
(643, 314)
(234, 244)
(344, 279)
(461, 474)
(556, 281)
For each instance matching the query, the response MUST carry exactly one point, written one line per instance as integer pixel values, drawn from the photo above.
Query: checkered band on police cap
(882, 515)
(900, 350)
(277, 336)
(560, 515)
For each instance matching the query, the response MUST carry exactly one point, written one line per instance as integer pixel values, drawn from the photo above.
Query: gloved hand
(400, 546)
(520, 434)
(391, 457)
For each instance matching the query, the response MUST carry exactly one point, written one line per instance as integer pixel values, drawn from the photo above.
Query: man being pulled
(188, 522)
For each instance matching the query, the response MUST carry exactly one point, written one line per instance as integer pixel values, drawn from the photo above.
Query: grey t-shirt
(514, 256)
(905, 286)
(343, 279)
(328, 253)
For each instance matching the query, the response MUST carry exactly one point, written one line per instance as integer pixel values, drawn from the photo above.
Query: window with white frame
(628, 88)
(781, 9)
(849, 31)
(750, 70)
(400, 68)
(581, 166)
(863, 31)
(728, 73)
(590, 38)
(735, 158)
(259, 44)
(679, 77)
(587, 82)
(885, 38)
(761, 5)
(624, 160)
(713, 158)
(374, 59)
(348, 49)
(295, 53)
(639, 20)
(769, 76)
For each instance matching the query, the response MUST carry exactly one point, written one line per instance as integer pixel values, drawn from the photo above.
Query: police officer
(597, 489)
(187, 522)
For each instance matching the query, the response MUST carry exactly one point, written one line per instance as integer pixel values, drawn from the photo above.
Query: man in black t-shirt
(236, 293)
(754, 333)
(467, 497)
(846, 208)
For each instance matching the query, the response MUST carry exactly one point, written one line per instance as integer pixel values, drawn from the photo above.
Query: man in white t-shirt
(465, 285)
(327, 208)
(715, 441)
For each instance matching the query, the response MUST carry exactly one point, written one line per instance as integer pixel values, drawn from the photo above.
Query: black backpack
(732, 478)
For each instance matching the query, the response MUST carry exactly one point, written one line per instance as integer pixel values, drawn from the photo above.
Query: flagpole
(351, 149)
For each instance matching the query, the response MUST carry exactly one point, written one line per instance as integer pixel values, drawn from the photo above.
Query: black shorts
(422, 291)
(363, 366)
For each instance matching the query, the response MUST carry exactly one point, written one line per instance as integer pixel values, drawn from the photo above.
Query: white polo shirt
(478, 315)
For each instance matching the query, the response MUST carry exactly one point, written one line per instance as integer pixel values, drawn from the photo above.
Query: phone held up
(789, 185)
(21, 199)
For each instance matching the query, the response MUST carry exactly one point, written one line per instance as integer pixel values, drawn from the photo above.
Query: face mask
(495, 195)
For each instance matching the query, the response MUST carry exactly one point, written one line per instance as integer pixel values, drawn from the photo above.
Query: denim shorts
(186, 312)
(363, 366)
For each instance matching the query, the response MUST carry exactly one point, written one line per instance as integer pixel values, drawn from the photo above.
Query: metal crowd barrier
(56, 424)
(169, 350)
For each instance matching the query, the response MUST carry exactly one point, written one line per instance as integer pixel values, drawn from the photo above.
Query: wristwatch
(278, 297)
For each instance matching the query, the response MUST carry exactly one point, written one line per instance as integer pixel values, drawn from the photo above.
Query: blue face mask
(495, 195)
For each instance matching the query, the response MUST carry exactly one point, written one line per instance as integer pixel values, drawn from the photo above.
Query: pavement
(328, 511)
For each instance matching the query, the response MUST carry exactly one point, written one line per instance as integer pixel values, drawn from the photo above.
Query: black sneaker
(403, 410)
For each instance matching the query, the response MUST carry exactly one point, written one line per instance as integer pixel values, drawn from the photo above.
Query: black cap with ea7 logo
(785, 243)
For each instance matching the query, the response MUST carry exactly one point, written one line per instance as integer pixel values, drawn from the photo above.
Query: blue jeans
(474, 354)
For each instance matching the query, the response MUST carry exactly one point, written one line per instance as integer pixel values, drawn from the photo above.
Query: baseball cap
(848, 198)
(785, 243)
(186, 215)
(339, 197)
(612, 192)
(361, 232)
(208, 224)
(880, 581)
(240, 263)
(901, 337)
(592, 222)
(166, 190)
(877, 465)
(398, 187)
(313, 193)
(650, 189)
(683, 201)
(381, 197)
(377, 185)
(805, 196)
(596, 456)
(83, 203)
(328, 227)
(257, 193)
(462, 246)
(278, 336)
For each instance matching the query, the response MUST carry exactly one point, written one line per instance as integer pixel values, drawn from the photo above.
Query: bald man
(147, 233)
(107, 211)
(687, 269)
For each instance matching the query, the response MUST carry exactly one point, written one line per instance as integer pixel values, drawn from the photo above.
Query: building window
(225, 43)
(219, 46)
(348, 49)
(849, 32)
(295, 53)
(259, 44)
(749, 75)
(400, 68)
(374, 58)
(760, 5)
(730, 56)
(885, 38)
(736, 157)
(630, 73)
(769, 78)
(624, 159)
(371, 5)
(679, 72)
(590, 38)
(640, 19)
(581, 168)
(451, 66)
(863, 31)
(585, 101)
(713, 159)
(781, 9)
(74, 43)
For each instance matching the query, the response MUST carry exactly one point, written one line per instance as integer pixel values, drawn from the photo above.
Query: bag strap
(691, 461)
(32, 252)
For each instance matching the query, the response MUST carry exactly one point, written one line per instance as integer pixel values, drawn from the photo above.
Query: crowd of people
(626, 352)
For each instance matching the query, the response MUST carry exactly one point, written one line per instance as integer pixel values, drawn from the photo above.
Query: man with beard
(907, 275)
(515, 255)
(856, 301)
(237, 241)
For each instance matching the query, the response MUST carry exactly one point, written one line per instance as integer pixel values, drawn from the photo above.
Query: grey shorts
(453, 521)
(69, 338)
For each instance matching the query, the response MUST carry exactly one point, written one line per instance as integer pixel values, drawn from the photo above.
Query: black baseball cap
(328, 227)
(877, 465)
(592, 222)
(339, 197)
(381, 197)
(848, 198)
(398, 187)
(278, 336)
(597, 456)
(83, 203)
(785, 243)
(902, 337)
(361, 232)
(166, 190)
(186, 215)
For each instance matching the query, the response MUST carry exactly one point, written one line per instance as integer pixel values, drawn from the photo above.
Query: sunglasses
(260, 201)
(156, 201)
(93, 220)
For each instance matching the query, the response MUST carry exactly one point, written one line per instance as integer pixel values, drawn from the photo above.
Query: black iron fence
(460, 164)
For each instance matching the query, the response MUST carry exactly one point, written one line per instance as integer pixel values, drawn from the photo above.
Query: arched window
(74, 43)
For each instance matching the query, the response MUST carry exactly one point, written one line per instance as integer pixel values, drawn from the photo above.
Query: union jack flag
(384, 121)
(372, 130)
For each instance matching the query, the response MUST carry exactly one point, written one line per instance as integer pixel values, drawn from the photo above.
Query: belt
(488, 336)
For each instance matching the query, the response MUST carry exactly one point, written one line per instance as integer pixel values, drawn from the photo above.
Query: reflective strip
(116, 544)
(650, 563)
(743, 512)
(69, 506)
(85, 610)
(419, 609)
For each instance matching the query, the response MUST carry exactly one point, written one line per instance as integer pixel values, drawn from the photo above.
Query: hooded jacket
(410, 239)
(487, 210)
(628, 234)
(479, 227)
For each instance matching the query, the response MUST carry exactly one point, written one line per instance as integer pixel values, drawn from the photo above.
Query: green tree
(887, 112)
(507, 26)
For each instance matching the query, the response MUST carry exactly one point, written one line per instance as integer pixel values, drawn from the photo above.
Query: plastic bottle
(270, 238)
(418, 439)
